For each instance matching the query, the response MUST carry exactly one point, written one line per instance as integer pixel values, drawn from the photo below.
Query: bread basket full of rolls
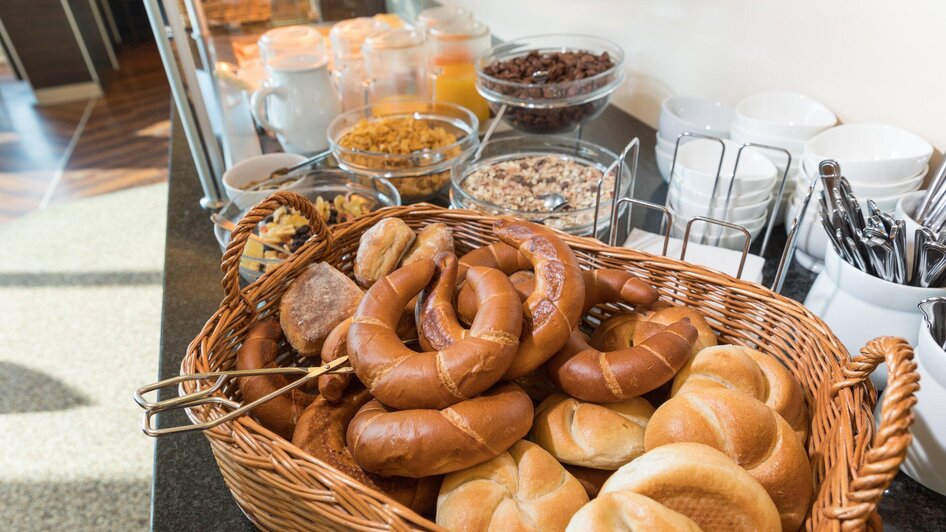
(479, 373)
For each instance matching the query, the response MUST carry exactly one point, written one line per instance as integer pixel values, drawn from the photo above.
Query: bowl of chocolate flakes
(550, 83)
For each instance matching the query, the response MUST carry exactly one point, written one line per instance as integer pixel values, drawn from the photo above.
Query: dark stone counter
(189, 492)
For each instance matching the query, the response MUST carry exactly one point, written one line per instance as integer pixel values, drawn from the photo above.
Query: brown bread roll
(750, 433)
(654, 321)
(321, 433)
(600, 436)
(553, 309)
(616, 332)
(316, 301)
(331, 386)
(259, 350)
(626, 511)
(381, 249)
(750, 371)
(431, 241)
(701, 483)
(522, 489)
(611, 286)
(405, 379)
(607, 377)
(422, 443)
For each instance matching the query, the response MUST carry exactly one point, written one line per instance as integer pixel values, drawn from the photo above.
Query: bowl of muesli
(514, 176)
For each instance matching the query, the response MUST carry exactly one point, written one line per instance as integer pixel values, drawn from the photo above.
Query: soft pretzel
(498, 255)
(437, 324)
(601, 286)
(654, 321)
(612, 376)
(587, 434)
(331, 386)
(259, 350)
(425, 442)
(701, 483)
(750, 371)
(522, 489)
(403, 378)
(747, 431)
(321, 433)
(626, 511)
(523, 281)
(553, 309)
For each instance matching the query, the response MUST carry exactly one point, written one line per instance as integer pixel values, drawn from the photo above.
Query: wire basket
(280, 487)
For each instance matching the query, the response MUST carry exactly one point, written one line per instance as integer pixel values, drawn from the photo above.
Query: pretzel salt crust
(403, 378)
(423, 442)
(259, 350)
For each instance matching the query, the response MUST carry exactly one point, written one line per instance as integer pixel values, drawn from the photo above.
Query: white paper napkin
(721, 259)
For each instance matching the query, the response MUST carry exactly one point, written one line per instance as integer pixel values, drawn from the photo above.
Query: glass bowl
(325, 183)
(420, 174)
(576, 219)
(559, 107)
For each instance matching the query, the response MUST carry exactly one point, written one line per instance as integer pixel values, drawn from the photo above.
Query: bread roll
(655, 321)
(701, 483)
(616, 332)
(332, 385)
(381, 249)
(612, 286)
(750, 433)
(522, 489)
(750, 371)
(432, 240)
(316, 301)
(600, 436)
(626, 511)
(591, 479)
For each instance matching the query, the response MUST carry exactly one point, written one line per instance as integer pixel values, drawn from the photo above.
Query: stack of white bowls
(784, 120)
(691, 191)
(682, 114)
(882, 163)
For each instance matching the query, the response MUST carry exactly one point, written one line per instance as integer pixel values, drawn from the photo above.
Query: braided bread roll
(553, 309)
(405, 379)
(522, 489)
(259, 350)
(750, 371)
(653, 322)
(626, 511)
(422, 443)
(749, 432)
(321, 433)
(701, 483)
(604, 436)
(607, 377)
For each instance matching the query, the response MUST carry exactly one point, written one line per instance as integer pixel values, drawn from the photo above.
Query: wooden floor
(47, 158)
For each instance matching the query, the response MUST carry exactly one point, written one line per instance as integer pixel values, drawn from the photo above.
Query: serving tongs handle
(209, 395)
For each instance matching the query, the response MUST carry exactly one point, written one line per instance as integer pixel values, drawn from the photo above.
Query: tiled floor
(52, 154)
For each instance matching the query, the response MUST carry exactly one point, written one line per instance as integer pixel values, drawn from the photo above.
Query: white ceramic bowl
(663, 163)
(736, 214)
(739, 199)
(727, 238)
(870, 153)
(256, 169)
(796, 147)
(679, 114)
(698, 161)
(927, 452)
(783, 115)
(667, 144)
(893, 188)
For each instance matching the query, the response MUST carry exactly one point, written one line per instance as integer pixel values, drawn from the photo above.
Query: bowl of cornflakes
(339, 196)
(415, 144)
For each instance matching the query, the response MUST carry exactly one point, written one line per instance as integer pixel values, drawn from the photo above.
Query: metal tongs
(934, 315)
(212, 395)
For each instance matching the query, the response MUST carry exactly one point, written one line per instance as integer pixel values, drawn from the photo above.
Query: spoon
(553, 201)
(230, 226)
(540, 76)
(934, 310)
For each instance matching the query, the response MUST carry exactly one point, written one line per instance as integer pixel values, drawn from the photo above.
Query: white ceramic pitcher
(296, 102)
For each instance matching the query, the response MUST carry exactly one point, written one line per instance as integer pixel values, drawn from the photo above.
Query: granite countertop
(188, 490)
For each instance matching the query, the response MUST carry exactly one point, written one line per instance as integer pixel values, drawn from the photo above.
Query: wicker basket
(282, 488)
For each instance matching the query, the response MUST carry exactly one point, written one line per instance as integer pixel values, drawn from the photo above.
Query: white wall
(869, 60)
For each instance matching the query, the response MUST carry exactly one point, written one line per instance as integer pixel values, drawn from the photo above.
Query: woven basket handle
(882, 460)
(231, 257)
